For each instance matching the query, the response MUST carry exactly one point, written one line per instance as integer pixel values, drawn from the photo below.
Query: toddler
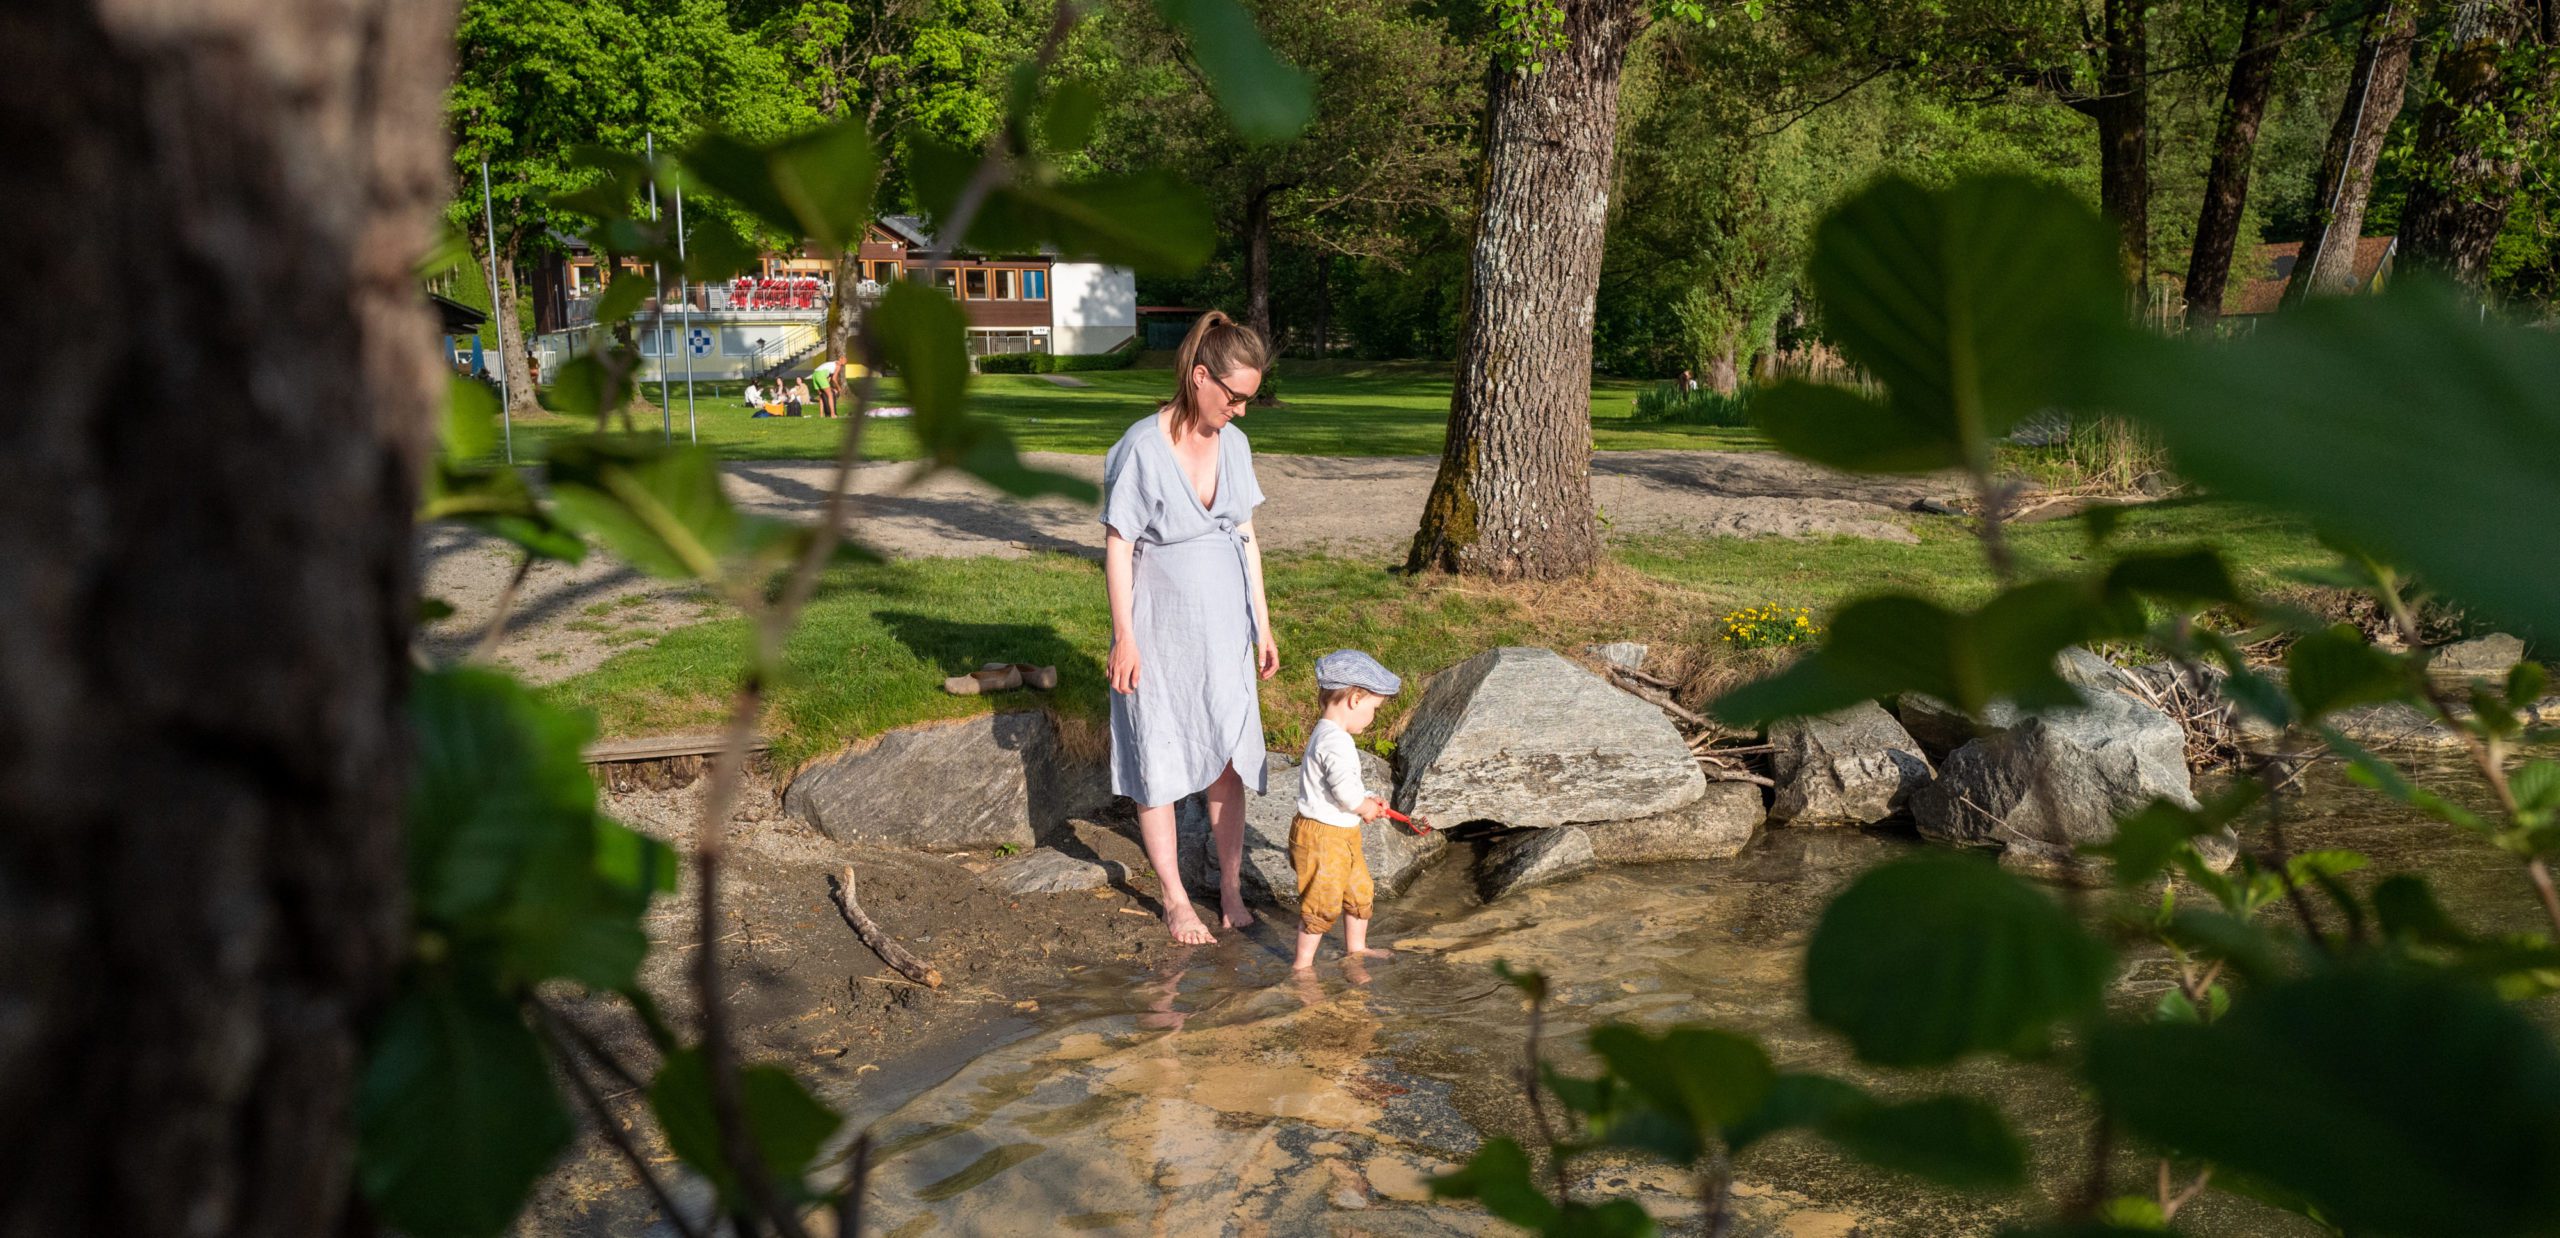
(1324, 842)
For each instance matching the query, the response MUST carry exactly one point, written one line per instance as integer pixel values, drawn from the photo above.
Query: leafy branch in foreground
(2333, 1044)
(520, 886)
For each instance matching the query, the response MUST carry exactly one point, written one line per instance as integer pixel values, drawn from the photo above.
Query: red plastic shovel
(1418, 827)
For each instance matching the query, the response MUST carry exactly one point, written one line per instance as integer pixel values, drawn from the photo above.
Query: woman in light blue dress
(1189, 629)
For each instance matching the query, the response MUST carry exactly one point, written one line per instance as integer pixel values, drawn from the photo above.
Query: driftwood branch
(1660, 699)
(890, 952)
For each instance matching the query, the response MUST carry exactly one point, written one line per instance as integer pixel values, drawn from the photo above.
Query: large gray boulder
(1395, 856)
(1854, 767)
(1523, 737)
(1716, 827)
(2481, 657)
(1529, 858)
(987, 781)
(2060, 777)
(1941, 728)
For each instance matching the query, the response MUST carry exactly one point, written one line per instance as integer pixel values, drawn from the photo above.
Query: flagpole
(658, 321)
(692, 430)
(489, 226)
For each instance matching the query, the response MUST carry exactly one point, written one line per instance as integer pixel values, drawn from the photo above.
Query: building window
(950, 283)
(978, 284)
(1004, 286)
(1035, 285)
(883, 272)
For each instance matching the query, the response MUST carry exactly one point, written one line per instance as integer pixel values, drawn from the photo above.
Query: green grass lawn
(1380, 410)
(878, 640)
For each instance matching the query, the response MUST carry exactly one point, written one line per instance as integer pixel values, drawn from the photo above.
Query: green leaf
(498, 776)
(470, 430)
(434, 610)
(2366, 769)
(1701, 1079)
(1617, 1218)
(2525, 682)
(1838, 427)
(2196, 577)
(2335, 669)
(1922, 961)
(1973, 305)
(584, 387)
(1068, 123)
(787, 1125)
(2335, 381)
(658, 506)
(1954, 1141)
(2399, 1100)
(1793, 1102)
(622, 297)
(1266, 98)
(1882, 646)
(1498, 1177)
(816, 185)
(631, 860)
(2536, 786)
(2135, 1212)
(455, 1114)
(2147, 842)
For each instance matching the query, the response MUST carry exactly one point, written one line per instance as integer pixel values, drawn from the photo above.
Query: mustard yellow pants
(1333, 874)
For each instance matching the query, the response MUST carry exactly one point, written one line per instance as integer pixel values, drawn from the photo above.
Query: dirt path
(568, 620)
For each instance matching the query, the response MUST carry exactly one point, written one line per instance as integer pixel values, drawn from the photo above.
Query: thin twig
(1665, 703)
(550, 1024)
(506, 606)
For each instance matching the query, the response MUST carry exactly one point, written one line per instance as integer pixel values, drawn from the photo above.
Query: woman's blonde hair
(1220, 343)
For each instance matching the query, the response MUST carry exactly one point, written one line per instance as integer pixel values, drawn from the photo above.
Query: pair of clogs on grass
(1002, 677)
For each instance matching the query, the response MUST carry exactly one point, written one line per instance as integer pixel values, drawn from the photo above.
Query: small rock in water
(1854, 767)
(1533, 858)
(2490, 656)
(1042, 870)
(2060, 777)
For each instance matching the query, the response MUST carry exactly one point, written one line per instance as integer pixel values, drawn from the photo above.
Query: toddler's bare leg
(1307, 943)
(1355, 940)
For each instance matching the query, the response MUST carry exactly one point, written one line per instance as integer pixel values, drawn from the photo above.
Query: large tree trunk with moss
(2461, 187)
(512, 352)
(1513, 497)
(207, 595)
(2265, 28)
(2327, 265)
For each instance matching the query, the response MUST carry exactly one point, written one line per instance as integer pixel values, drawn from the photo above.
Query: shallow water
(1226, 1096)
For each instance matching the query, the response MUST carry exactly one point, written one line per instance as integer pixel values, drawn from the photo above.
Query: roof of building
(457, 318)
(2262, 296)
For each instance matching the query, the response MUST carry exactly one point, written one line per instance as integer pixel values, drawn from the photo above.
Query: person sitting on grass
(1324, 841)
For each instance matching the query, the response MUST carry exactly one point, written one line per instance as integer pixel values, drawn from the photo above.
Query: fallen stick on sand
(890, 952)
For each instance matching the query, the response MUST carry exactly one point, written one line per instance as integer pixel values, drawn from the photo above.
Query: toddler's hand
(1372, 808)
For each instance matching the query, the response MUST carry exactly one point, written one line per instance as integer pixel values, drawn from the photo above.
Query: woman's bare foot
(1185, 925)
(1233, 914)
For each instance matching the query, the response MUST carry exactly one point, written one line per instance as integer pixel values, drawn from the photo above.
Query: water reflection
(1222, 1095)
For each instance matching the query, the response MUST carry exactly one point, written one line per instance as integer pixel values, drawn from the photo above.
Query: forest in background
(1735, 134)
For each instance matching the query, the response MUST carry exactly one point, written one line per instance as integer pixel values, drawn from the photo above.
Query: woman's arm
(1266, 651)
(1119, 581)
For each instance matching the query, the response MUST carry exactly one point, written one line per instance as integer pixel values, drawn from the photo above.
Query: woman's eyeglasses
(1233, 400)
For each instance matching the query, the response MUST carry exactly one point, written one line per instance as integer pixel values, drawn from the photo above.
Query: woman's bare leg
(1226, 827)
(1155, 829)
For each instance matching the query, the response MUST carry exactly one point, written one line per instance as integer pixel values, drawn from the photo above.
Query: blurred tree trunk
(1513, 495)
(2374, 90)
(2472, 132)
(2265, 28)
(2122, 109)
(1257, 263)
(208, 596)
(522, 400)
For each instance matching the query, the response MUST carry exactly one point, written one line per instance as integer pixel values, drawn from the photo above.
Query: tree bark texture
(1513, 495)
(2264, 29)
(227, 389)
(2123, 112)
(1257, 263)
(2462, 187)
(2327, 263)
(512, 350)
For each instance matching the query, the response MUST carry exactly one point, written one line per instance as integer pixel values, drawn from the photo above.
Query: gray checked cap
(1350, 668)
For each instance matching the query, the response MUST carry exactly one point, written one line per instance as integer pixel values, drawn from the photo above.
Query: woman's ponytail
(1224, 346)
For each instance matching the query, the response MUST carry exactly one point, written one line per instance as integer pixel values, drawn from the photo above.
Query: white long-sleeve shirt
(1329, 787)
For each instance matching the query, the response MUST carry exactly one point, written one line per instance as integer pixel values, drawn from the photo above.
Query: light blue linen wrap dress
(1197, 709)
